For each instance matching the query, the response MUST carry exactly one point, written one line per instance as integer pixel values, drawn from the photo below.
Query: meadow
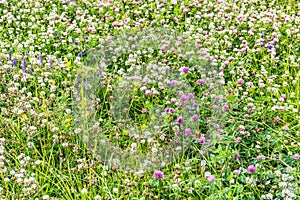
(156, 99)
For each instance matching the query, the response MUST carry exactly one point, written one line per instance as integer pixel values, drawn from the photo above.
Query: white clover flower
(46, 197)
(84, 191)
(115, 190)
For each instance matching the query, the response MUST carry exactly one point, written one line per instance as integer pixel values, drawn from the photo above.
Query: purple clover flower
(215, 107)
(202, 140)
(238, 140)
(163, 47)
(225, 108)
(240, 81)
(180, 120)
(211, 178)
(172, 82)
(187, 131)
(201, 82)
(194, 104)
(190, 95)
(194, 118)
(158, 174)
(237, 156)
(251, 169)
(183, 98)
(185, 69)
(286, 128)
(172, 110)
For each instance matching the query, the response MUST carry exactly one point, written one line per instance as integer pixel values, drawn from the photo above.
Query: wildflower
(230, 59)
(190, 95)
(202, 140)
(41, 59)
(194, 104)
(240, 81)
(241, 128)
(251, 169)
(143, 88)
(14, 62)
(226, 63)
(187, 131)
(164, 47)
(215, 107)
(46, 197)
(211, 178)
(172, 82)
(24, 65)
(201, 82)
(237, 172)
(115, 190)
(179, 120)
(172, 110)
(84, 191)
(166, 110)
(286, 128)
(161, 87)
(237, 155)
(148, 93)
(296, 156)
(9, 56)
(275, 40)
(158, 174)
(144, 110)
(50, 64)
(225, 108)
(183, 98)
(173, 100)
(238, 140)
(194, 118)
(185, 69)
